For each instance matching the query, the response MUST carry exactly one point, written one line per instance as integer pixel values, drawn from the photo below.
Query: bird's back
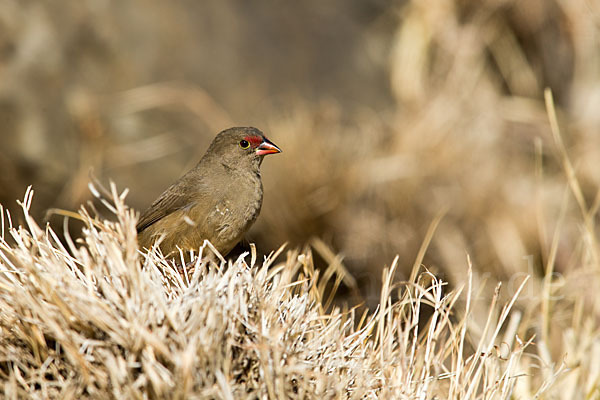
(215, 204)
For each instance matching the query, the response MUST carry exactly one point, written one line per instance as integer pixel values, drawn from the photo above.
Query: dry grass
(408, 130)
(97, 319)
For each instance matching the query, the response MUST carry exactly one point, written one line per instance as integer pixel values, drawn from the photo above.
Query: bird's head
(241, 147)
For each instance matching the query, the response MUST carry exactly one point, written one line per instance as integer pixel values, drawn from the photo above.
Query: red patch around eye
(255, 141)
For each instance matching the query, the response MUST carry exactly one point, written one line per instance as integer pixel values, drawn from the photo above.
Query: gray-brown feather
(217, 200)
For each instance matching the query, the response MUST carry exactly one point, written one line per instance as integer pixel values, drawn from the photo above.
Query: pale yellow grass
(98, 319)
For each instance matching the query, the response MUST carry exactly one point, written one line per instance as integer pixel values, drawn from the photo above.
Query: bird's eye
(244, 144)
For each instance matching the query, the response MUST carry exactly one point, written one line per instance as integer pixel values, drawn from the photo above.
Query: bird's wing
(172, 200)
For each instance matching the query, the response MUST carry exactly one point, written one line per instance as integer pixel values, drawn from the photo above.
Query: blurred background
(390, 113)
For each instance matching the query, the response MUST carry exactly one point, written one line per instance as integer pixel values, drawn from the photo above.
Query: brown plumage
(219, 199)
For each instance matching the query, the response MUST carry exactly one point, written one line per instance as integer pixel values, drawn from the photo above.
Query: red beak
(267, 147)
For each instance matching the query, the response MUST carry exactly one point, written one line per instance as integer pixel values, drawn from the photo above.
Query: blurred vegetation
(390, 113)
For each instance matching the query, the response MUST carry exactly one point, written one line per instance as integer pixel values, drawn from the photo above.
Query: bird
(218, 200)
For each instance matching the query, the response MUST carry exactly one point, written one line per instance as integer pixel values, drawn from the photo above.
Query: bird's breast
(236, 209)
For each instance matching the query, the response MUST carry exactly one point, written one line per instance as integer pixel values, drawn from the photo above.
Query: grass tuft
(96, 317)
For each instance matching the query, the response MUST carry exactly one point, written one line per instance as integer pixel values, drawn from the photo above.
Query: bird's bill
(267, 147)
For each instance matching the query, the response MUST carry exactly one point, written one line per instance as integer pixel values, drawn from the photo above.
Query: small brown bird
(219, 199)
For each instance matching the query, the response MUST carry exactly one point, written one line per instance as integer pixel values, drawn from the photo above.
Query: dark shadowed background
(389, 113)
